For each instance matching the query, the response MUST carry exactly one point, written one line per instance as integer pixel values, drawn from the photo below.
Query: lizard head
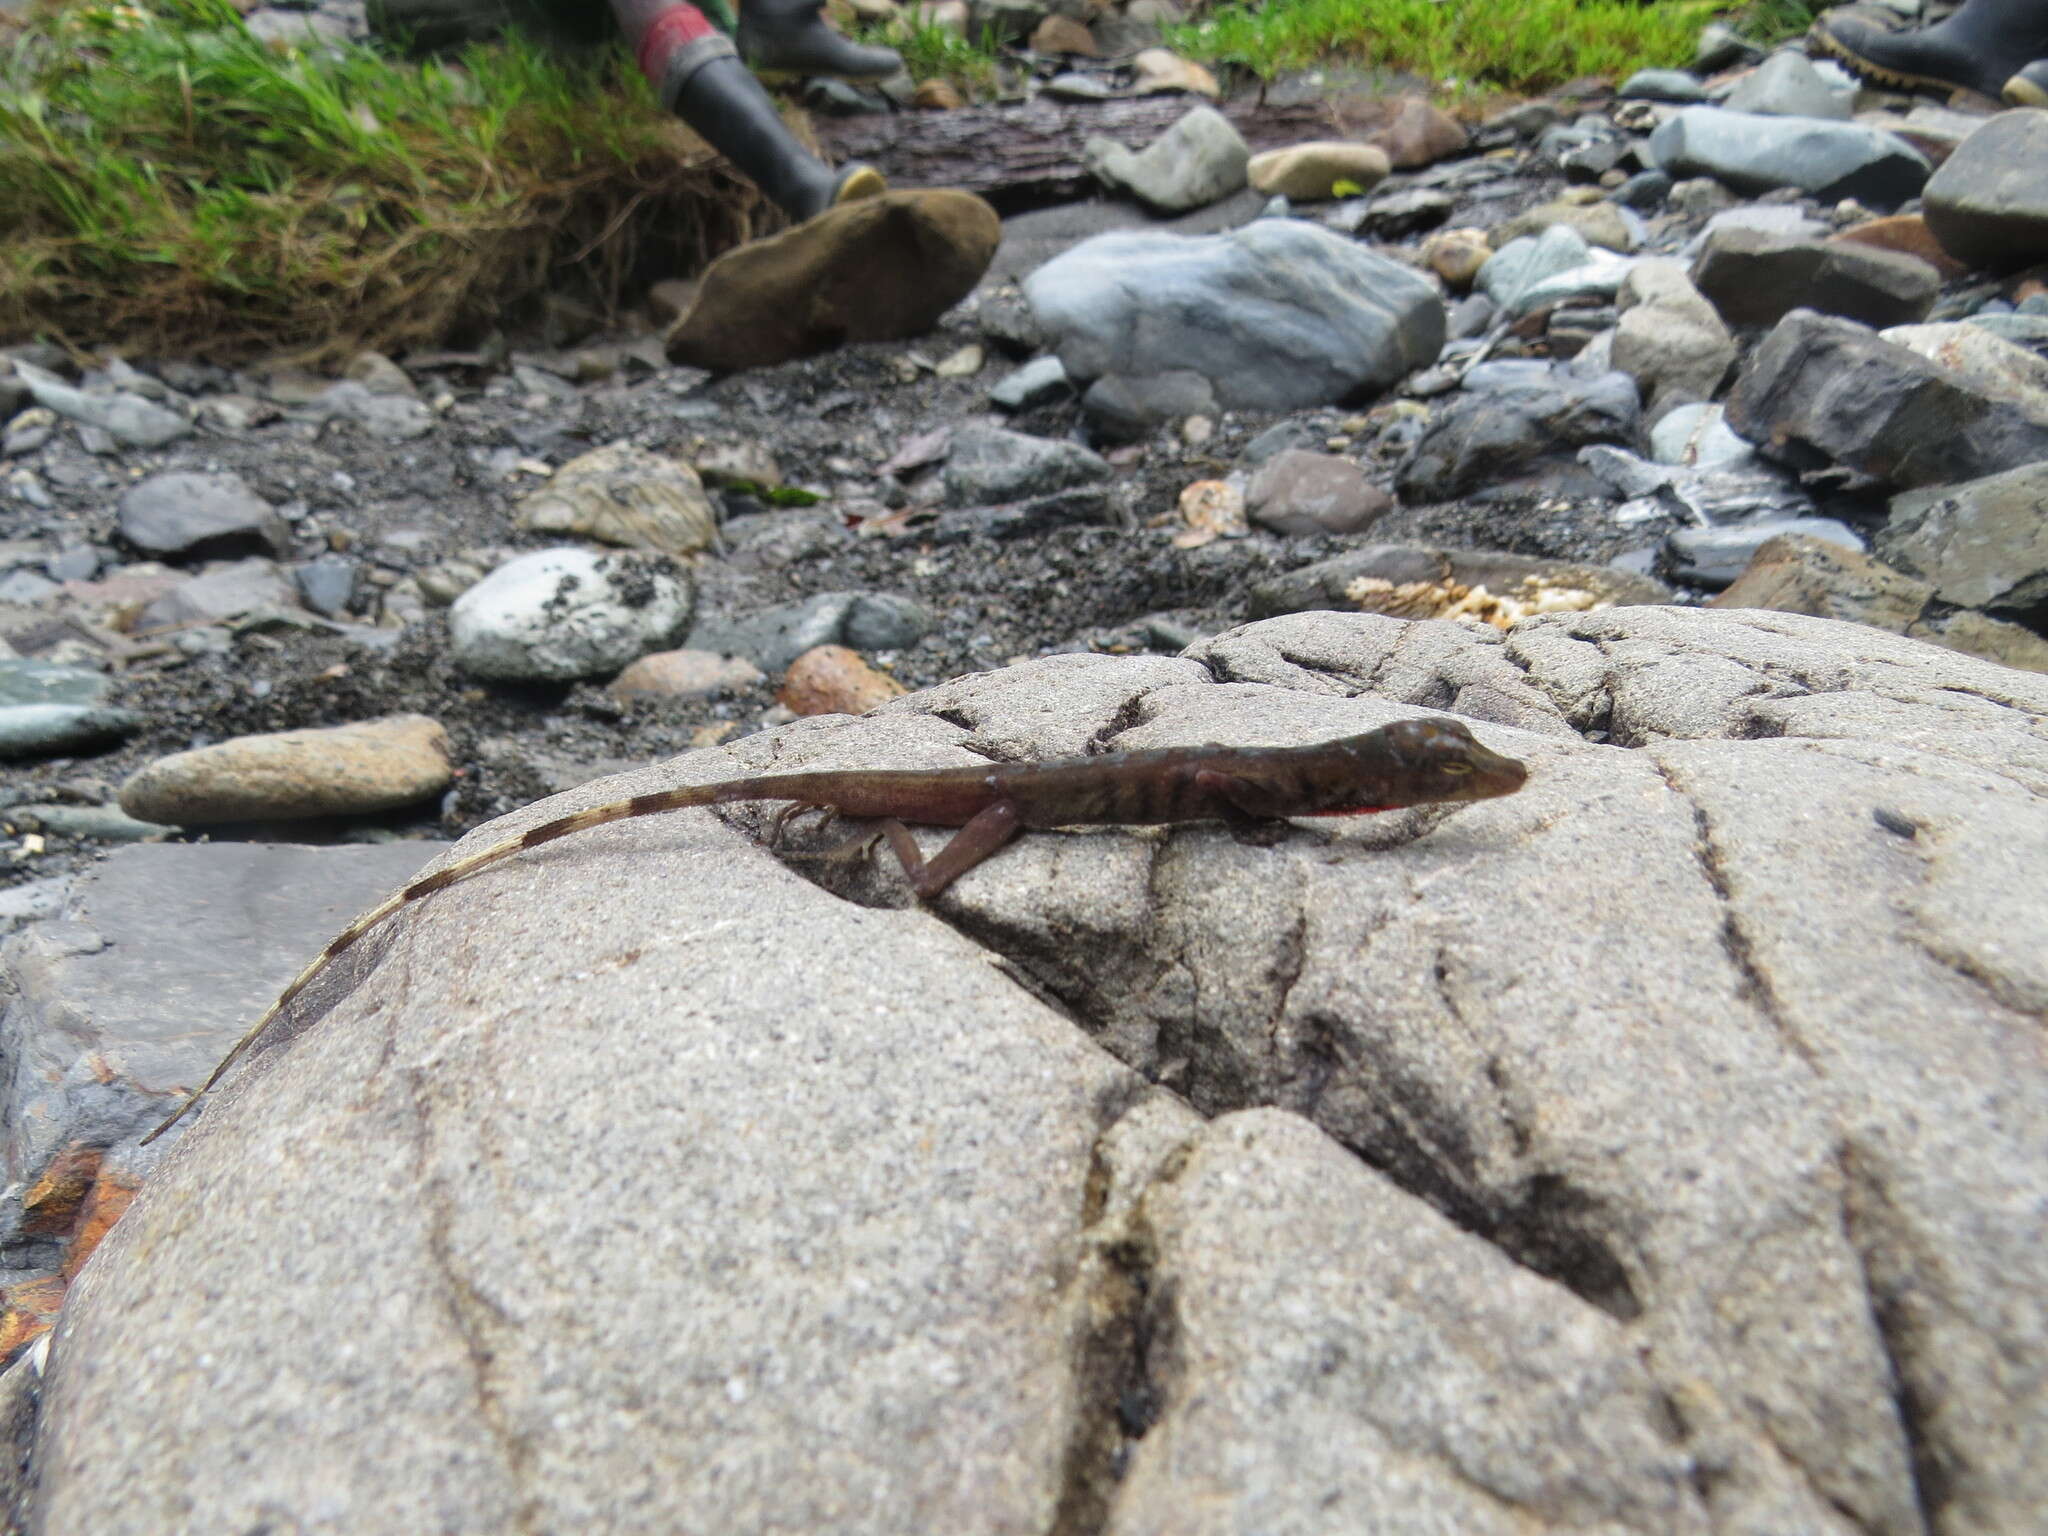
(1414, 762)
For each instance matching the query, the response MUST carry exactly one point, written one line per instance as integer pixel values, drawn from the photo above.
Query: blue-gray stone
(1200, 160)
(327, 584)
(1753, 152)
(1789, 84)
(26, 681)
(50, 730)
(1280, 315)
(1523, 263)
(1662, 85)
(988, 465)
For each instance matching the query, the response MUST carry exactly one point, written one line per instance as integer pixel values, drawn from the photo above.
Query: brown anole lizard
(1411, 762)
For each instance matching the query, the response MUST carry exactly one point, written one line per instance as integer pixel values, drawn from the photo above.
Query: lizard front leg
(987, 831)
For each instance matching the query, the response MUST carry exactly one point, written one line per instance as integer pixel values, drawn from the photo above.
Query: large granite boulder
(1660, 1149)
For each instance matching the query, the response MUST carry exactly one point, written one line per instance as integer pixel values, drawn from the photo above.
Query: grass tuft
(168, 183)
(1504, 45)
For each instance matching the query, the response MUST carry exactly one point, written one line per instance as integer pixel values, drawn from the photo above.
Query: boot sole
(1882, 76)
(862, 183)
(2022, 92)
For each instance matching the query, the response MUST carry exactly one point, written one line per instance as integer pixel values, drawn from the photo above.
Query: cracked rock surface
(1660, 1149)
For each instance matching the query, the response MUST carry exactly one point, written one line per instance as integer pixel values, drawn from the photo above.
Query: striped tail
(578, 821)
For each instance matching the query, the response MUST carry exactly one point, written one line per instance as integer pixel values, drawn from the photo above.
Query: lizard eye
(1457, 769)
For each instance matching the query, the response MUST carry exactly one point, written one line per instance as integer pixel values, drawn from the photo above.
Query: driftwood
(1029, 154)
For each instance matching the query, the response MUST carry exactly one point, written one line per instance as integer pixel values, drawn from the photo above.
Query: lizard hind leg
(778, 825)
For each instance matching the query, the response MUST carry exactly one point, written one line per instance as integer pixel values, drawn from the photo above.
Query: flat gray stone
(1280, 315)
(27, 681)
(201, 516)
(1754, 278)
(1509, 416)
(988, 464)
(773, 637)
(1674, 85)
(1983, 544)
(51, 730)
(222, 592)
(1754, 153)
(1987, 205)
(129, 419)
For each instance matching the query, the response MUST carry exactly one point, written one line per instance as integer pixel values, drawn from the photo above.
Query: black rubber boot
(1974, 50)
(2029, 88)
(792, 37)
(719, 97)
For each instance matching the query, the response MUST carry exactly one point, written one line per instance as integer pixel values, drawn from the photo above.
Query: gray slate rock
(1697, 436)
(1674, 85)
(988, 464)
(1818, 390)
(24, 680)
(1123, 409)
(1278, 316)
(1531, 259)
(930, 1244)
(202, 517)
(1983, 544)
(772, 638)
(1669, 338)
(1507, 417)
(558, 615)
(128, 418)
(1988, 204)
(1755, 153)
(1789, 84)
(1200, 160)
(222, 592)
(1754, 278)
(328, 584)
(51, 730)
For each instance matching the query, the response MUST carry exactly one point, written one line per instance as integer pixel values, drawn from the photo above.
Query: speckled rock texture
(1660, 1149)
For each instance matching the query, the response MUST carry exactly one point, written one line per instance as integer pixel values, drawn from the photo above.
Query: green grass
(167, 182)
(933, 52)
(1508, 45)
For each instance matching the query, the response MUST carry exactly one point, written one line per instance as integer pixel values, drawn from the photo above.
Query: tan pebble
(962, 364)
(712, 733)
(1063, 34)
(1456, 255)
(1212, 509)
(937, 96)
(1197, 430)
(1160, 69)
(625, 495)
(344, 770)
(1313, 171)
(685, 674)
(832, 680)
